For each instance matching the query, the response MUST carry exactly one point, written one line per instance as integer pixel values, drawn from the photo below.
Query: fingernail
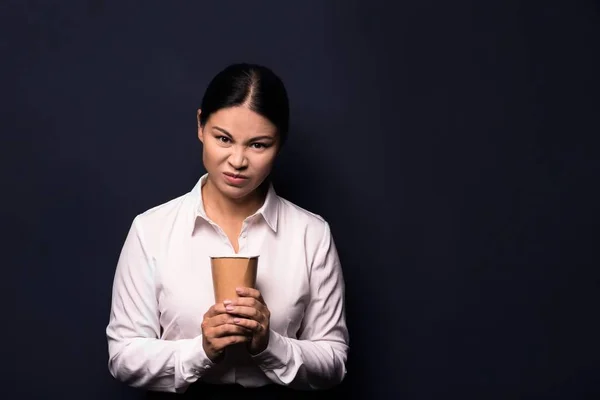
(229, 308)
(239, 290)
(226, 302)
(236, 321)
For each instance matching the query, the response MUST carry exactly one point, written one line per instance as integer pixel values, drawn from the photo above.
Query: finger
(212, 327)
(220, 343)
(229, 330)
(246, 312)
(245, 301)
(210, 312)
(249, 292)
(221, 319)
(220, 307)
(249, 324)
(214, 310)
(214, 317)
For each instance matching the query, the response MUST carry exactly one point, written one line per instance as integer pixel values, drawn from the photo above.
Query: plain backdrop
(452, 147)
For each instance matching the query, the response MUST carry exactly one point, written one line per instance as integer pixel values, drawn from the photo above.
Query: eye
(223, 139)
(259, 145)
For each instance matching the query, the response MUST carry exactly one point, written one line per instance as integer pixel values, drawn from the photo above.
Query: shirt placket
(243, 238)
(221, 233)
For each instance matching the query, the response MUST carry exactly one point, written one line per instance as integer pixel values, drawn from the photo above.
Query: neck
(218, 206)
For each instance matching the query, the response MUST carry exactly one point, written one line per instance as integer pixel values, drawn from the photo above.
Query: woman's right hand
(219, 330)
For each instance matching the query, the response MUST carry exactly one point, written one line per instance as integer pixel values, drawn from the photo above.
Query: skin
(236, 141)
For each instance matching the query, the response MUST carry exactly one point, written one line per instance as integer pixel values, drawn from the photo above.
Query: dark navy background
(452, 146)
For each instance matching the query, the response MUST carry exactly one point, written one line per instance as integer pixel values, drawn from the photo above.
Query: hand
(220, 331)
(252, 313)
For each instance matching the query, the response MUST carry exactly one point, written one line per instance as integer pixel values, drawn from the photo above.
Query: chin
(235, 192)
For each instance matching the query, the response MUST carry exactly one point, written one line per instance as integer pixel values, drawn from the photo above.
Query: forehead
(241, 121)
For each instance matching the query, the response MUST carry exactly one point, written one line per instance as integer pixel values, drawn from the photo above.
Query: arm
(317, 359)
(136, 354)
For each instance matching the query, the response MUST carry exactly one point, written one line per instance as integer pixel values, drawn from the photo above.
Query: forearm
(136, 354)
(156, 364)
(303, 364)
(316, 357)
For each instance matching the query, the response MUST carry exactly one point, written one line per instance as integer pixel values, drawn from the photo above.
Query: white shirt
(163, 286)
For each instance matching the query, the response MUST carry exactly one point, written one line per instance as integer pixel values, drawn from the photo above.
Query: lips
(236, 176)
(237, 180)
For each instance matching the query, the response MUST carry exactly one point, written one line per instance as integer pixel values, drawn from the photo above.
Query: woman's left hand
(251, 312)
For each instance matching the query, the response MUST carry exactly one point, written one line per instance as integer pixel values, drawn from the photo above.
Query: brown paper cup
(230, 272)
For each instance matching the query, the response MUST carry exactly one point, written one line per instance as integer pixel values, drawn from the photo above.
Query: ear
(200, 131)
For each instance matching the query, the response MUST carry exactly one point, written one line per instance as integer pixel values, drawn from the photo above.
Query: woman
(165, 334)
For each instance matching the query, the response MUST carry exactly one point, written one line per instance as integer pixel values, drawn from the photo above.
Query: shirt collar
(269, 210)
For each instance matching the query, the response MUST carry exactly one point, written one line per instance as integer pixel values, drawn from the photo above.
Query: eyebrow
(223, 131)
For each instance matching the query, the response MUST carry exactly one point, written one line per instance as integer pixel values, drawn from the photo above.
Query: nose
(238, 159)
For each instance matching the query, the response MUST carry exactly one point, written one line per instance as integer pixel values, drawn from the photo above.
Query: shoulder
(164, 210)
(297, 217)
(311, 231)
(164, 217)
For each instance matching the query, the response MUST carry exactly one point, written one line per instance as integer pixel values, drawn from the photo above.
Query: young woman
(165, 333)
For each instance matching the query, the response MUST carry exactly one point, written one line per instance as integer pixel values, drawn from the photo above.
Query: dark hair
(254, 86)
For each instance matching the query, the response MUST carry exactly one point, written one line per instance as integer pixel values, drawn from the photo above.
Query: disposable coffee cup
(230, 272)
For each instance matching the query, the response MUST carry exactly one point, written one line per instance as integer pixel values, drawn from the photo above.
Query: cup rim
(247, 256)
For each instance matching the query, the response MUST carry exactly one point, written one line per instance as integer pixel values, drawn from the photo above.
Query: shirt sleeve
(317, 358)
(137, 355)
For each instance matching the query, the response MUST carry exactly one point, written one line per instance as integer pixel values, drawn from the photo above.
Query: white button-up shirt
(163, 286)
